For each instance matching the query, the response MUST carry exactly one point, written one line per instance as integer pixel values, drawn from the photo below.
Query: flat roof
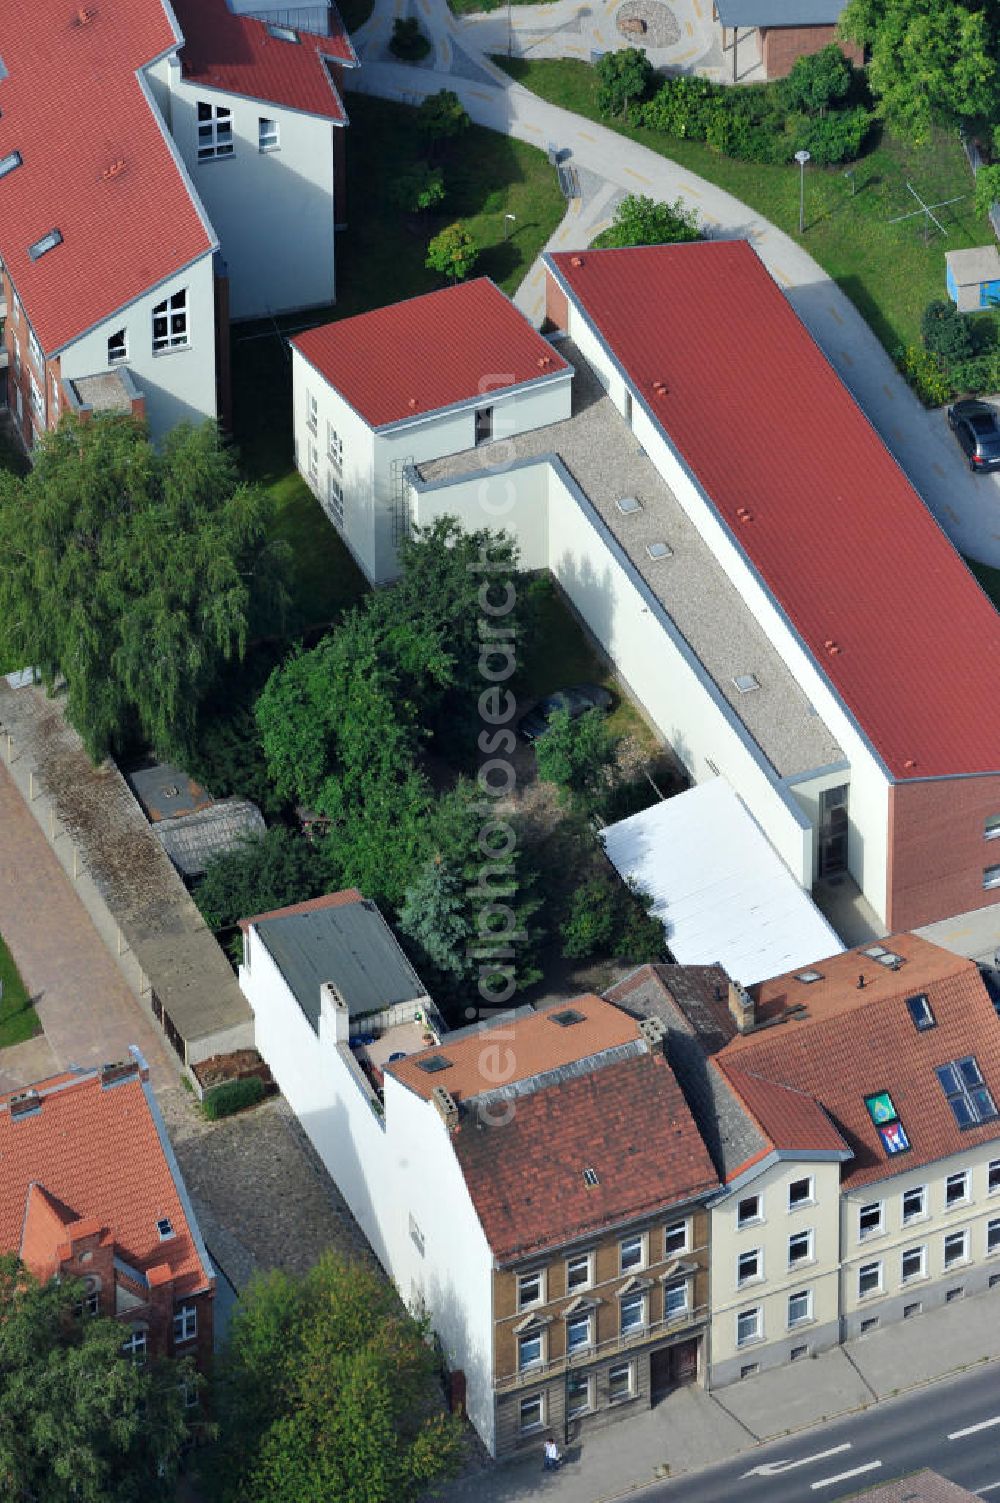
(823, 513)
(980, 264)
(606, 461)
(779, 12)
(722, 892)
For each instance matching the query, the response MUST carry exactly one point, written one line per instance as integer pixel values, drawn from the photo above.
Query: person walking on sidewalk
(553, 1460)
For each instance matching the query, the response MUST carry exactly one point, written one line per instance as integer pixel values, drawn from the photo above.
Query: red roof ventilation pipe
(744, 513)
(832, 647)
(576, 260)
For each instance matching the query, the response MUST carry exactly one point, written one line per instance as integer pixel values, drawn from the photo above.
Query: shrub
(232, 1096)
(979, 374)
(817, 80)
(925, 374)
(607, 916)
(642, 221)
(835, 137)
(945, 332)
(624, 75)
(408, 41)
(684, 106)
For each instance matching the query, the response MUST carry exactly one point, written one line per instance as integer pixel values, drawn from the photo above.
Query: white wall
(358, 527)
(179, 384)
(273, 210)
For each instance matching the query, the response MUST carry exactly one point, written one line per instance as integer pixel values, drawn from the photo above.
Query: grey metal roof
(192, 840)
(352, 946)
(779, 12)
(164, 791)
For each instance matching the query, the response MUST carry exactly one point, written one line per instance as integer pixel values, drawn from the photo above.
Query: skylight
(590, 1177)
(809, 976)
(967, 1093)
(890, 960)
(48, 242)
(876, 951)
(282, 33)
(885, 1120)
(434, 1064)
(628, 504)
(567, 1018)
(9, 162)
(746, 683)
(920, 1011)
(659, 550)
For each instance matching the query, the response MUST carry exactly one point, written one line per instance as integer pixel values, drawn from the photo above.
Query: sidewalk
(692, 1429)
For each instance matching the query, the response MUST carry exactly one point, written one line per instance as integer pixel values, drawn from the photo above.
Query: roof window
(165, 1227)
(567, 1018)
(885, 1120)
(967, 1093)
(48, 242)
(590, 1177)
(282, 33)
(659, 550)
(890, 960)
(746, 683)
(628, 504)
(435, 1063)
(9, 162)
(808, 977)
(919, 1008)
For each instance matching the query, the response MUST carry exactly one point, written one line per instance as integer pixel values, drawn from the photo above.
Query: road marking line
(983, 1424)
(870, 1466)
(938, 470)
(638, 176)
(689, 28)
(777, 271)
(527, 125)
(776, 1468)
(990, 1487)
(597, 32)
(834, 314)
(682, 57)
(686, 188)
(480, 94)
(900, 438)
(586, 136)
(578, 50)
(845, 357)
(889, 392)
(697, 9)
(711, 219)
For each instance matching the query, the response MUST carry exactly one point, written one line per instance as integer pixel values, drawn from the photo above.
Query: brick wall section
(938, 850)
(780, 46)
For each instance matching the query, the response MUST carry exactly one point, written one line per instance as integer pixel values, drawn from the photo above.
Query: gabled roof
(838, 1043)
(95, 1157)
(434, 351)
(793, 1121)
(96, 164)
(808, 491)
(240, 55)
(626, 1120)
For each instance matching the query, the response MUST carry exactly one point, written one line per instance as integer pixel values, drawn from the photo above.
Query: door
(833, 830)
(671, 1366)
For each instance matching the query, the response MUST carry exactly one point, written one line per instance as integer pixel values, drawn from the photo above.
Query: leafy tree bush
(817, 81)
(607, 916)
(641, 221)
(132, 572)
(987, 188)
(453, 252)
(408, 41)
(945, 332)
(232, 1096)
(579, 757)
(418, 188)
(79, 1423)
(328, 1390)
(925, 374)
(623, 75)
(441, 117)
(261, 873)
(684, 106)
(979, 374)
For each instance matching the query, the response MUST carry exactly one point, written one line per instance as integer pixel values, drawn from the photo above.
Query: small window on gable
(46, 243)
(919, 1008)
(215, 131)
(117, 347)
(267, 134)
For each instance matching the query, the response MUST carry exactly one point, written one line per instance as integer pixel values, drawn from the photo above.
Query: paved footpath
(966, 506)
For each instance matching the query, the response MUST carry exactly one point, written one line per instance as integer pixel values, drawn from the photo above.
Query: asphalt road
(953, 1427)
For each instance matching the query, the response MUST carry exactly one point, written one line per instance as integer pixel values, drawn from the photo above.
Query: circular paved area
(662, 26)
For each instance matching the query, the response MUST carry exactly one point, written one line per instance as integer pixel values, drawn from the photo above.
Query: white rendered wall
(179, 384)
(358, 440)
(272, 210)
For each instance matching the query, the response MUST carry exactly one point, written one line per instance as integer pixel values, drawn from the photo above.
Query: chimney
(24, 1103)
(444, 1101)
(742, 1007)
(334, 1015)
(654, 1031)
(119, 1069)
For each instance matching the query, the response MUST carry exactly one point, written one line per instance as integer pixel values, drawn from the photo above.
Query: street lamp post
(802, 157)
(508, 220)
(510, 33)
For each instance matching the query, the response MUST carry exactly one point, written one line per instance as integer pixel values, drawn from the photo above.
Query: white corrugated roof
(718, 885)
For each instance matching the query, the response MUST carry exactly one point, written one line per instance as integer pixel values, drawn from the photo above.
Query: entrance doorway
(833, 830)
(671, 1366)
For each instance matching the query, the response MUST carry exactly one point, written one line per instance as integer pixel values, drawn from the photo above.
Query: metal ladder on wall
(399, 487)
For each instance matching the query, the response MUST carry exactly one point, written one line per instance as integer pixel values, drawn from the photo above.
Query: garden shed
(973, 278)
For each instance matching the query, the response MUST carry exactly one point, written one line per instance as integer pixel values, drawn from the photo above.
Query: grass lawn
(18, 1020)
(380, 259)
(475, 7)
(885, 269)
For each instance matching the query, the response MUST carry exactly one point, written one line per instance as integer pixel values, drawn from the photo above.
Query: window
(797, 1353)
(532, 1415)
(968, 1097)
(800, 1192)
(993, 1176)
(90, 1305)
(800, 1248)
(35, 351)
(335, 497)
(631, 1253)
(992, 827)
(314, 465)
(869, 1279)
(135, 1345)
(800, 1308)
(15, 308)
(530, 1289)
(567, 1018)
(267, 134)
(9, 162)
(749, 1266)
(37, 400)
(675, 1299)
(334, 447)
(991, 876)
(871, 1324)
(591, 1178)
(919, 1009)
(312, 411)
(282, 33)
(170, 322)
(993, 1236)
(953, 1294)
(620, 1382)
(956, 1189)
(189, 1395)
(529, 1350)
(215, 131)
(185, 1323)
(909, 1311)
(914, 1204)
(46, 243)
(416, 1235)
(750, 1370)
(914, 1263)
(577, 1394)
(675, 1239)
(870, 1220)
(578, 1272)
(117, 347)
(633, 1313)
(956, 1248)
(749, 1326)
(749, 1210)
(578, 1334)
(484, 424)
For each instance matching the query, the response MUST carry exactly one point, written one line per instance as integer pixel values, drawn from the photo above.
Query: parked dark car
(577, 700)
(977, 429)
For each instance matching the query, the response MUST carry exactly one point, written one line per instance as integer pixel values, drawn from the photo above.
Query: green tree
(418, 188)
(433, 916)
(642, 221)
(132, 574)
(622, 76)
(607, 916)
(79, 1423)
(408, 41)
(453, 252)
(987, 188)
(441, 117)
(945, 331)
(932, 61)
(817, 81)
(328, 1389)
(579, 756)
(261, 873)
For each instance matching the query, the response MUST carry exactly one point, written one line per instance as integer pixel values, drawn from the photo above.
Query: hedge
(232, 1096)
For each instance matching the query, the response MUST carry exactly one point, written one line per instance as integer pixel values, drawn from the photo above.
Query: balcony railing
(654, 1330)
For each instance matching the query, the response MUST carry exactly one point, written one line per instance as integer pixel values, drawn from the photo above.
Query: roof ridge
(589, 1064)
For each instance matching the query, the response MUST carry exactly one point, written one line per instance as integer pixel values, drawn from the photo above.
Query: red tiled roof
(429, 352)
(98, 1155)
(792, 1120)
(72, 106)
(627, 1121)
(850, 1043)
(235, 53)
(836, 531)
(494, 1056)
(919, 1487)
(311, 905)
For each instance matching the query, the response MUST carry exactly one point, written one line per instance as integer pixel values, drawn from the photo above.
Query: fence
(975, 158)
